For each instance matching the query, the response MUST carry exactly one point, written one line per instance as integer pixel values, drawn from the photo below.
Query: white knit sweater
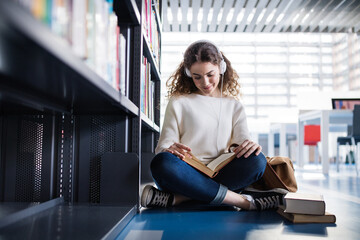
(193, 120)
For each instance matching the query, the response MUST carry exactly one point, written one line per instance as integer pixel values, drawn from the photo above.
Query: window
(271, 58)
(272, 90)
(304, 58)
(272, 100)
(244, 68)
(273, 68)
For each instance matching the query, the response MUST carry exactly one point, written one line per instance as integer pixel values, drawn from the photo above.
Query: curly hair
(202, 51)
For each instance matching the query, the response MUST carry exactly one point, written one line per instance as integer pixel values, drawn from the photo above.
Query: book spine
(305, 207)
(142, 85)
(117, 64)
(123, 79)
(78, 39)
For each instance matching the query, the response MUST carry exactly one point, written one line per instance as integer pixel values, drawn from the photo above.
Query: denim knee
(172, 174)
(258, 164)
(165, 166)
(161, 163)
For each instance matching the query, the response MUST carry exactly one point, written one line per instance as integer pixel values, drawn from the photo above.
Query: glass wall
(274, 68)
(346, 62)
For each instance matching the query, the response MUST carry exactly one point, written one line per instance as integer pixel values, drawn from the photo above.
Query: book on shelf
(112, 60)
(213, 168)
(122, 63)
(151, 30)
(143, 85)
(147, 87)
(117, 62)
(78, 34)
(306, 218)
(128, 56)
(304, 203)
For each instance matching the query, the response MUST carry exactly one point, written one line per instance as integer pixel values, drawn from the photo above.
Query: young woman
(204, 117)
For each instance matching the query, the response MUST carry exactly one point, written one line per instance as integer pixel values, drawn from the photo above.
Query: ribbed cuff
(220, 196)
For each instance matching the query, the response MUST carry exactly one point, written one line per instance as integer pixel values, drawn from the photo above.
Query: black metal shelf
(158, 20)
(43, 67)
(149, 123)
(13, 212)
(127, 12)
(9, 209)
(64, 129)
(65, 221)
(150, 57)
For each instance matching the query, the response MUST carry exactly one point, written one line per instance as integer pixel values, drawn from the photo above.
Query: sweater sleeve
(170, 129)
(240, 129)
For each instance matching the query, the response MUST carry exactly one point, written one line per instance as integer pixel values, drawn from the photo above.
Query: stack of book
(305, 208)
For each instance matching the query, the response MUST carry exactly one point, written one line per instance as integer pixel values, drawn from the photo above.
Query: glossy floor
(342, 196)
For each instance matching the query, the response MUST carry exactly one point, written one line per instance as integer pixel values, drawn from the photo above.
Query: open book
(213, 168)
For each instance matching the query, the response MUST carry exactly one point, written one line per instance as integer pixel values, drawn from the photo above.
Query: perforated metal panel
(29, 159)
(65, 159)
(103, 137)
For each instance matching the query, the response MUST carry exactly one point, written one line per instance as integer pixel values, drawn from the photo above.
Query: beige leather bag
(279, 173)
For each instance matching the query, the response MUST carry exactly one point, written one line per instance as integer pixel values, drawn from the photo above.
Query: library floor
(341, 193)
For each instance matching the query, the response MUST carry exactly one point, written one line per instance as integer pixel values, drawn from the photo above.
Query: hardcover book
(213, 168)
(304, 203)
(306, 218)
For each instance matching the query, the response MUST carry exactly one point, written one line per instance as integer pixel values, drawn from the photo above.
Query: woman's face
(206, 78)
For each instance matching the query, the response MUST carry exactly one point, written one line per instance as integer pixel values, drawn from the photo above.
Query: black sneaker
(266, 199)
(152, 197)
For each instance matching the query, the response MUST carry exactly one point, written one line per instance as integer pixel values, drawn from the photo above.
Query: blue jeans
(173, 175)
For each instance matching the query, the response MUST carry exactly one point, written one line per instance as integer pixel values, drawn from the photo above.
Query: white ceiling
(261, 15)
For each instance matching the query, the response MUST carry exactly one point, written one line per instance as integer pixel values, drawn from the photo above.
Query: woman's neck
(215, 94)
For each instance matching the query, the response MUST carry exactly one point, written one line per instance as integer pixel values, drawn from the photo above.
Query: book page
(305, 196)
(223, 157)
(196, 163)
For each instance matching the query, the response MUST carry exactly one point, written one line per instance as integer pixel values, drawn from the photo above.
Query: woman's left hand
(247, 148)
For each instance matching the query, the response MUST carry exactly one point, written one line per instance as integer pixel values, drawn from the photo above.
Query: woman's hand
(178, 149)
(247, 148)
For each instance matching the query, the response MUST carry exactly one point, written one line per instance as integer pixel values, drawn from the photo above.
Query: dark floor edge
(28, 212)
(115, 231)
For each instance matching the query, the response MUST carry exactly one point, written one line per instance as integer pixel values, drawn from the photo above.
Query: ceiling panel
(261, 15)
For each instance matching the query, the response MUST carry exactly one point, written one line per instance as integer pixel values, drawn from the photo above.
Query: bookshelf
(69, 139)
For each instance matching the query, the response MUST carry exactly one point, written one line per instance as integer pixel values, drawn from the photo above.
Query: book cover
(305, 203)
(306, 218)
(213, 168)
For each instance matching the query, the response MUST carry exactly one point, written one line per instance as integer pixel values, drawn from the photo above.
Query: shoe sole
(144, 195)
(278, 190)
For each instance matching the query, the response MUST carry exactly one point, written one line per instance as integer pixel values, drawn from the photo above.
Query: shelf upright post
(66, 168)
(136, 86)
(2, 170)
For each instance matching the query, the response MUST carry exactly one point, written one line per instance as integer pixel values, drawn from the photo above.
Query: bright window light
(240, 16)
(230, 16)
(210, 16)
(270, 17)
(200, 15)
(220, 15)
(280, 17)
(169, 15)
(251, 16)
(179, 15)
(189, 16)
(261, 16)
